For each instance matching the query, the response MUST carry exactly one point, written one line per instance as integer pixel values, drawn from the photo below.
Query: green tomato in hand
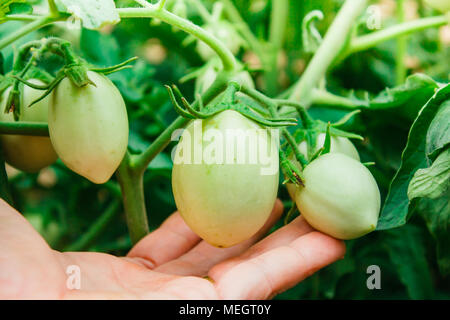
(89, 127)
(340, 197)
(27, 153)
(337, 145)
(225, 202)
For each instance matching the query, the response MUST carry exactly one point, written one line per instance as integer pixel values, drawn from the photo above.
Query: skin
(169, 263)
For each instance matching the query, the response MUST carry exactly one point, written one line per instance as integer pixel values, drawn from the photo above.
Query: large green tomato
(337, 145)
(89, 127)
(441, 5)
(340, 197)
(27, 153)
(223, 195)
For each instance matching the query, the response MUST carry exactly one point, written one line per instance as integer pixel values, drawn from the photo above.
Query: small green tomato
(337, 145)
(89, 127)
(340, 197)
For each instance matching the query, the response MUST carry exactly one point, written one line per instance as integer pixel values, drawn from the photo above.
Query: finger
(283, 236)
(26, 260)
(200, 259)
(169, 241)
(281, 268)
(16, 232)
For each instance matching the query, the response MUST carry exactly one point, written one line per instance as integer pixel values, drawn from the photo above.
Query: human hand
(170, 263)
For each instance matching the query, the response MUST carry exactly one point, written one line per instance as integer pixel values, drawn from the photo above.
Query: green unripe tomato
(27, 153)
(441, 5)
(225, 203)
(340, 197)
(226, 33)
(89, 127)
(337, 145)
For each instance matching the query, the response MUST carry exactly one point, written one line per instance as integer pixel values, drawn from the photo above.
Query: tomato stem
(24, 128)
(333, 42)
(153, 11)
(32, 26)
(132, 186)
(400, 68)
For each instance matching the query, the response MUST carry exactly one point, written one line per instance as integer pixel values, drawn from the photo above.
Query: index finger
(279, 269)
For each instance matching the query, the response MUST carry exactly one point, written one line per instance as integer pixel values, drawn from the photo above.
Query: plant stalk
(333, 43)
(132, 186)
(152, 11)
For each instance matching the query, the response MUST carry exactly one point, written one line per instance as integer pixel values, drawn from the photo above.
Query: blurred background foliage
(62, 206)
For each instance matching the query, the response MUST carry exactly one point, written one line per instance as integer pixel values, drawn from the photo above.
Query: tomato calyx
(309, 133)
(227, 102)
(74, 67)
(291, 171)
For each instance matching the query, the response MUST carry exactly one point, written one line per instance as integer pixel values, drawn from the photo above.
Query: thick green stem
(143, 160)
(277, 30)
(132, 186)
(372, 39)
(32, 26)
(152, 11)
(400, 68)
(323, 97)
(333, 43)
(24, 128)
(96, 229)
(235, 17)
(21, 17)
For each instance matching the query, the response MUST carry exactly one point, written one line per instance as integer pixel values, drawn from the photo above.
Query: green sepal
(293, 174)
(77, 73)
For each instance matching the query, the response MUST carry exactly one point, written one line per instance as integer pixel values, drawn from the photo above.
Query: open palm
(170, 263)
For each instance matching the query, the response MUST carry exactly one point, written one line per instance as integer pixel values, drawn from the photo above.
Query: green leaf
(407, 252)
(396, 207)
(431, 182)
(438, 136)
(93, 13)
(5, 6)
(417, 89)
(437, 217)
